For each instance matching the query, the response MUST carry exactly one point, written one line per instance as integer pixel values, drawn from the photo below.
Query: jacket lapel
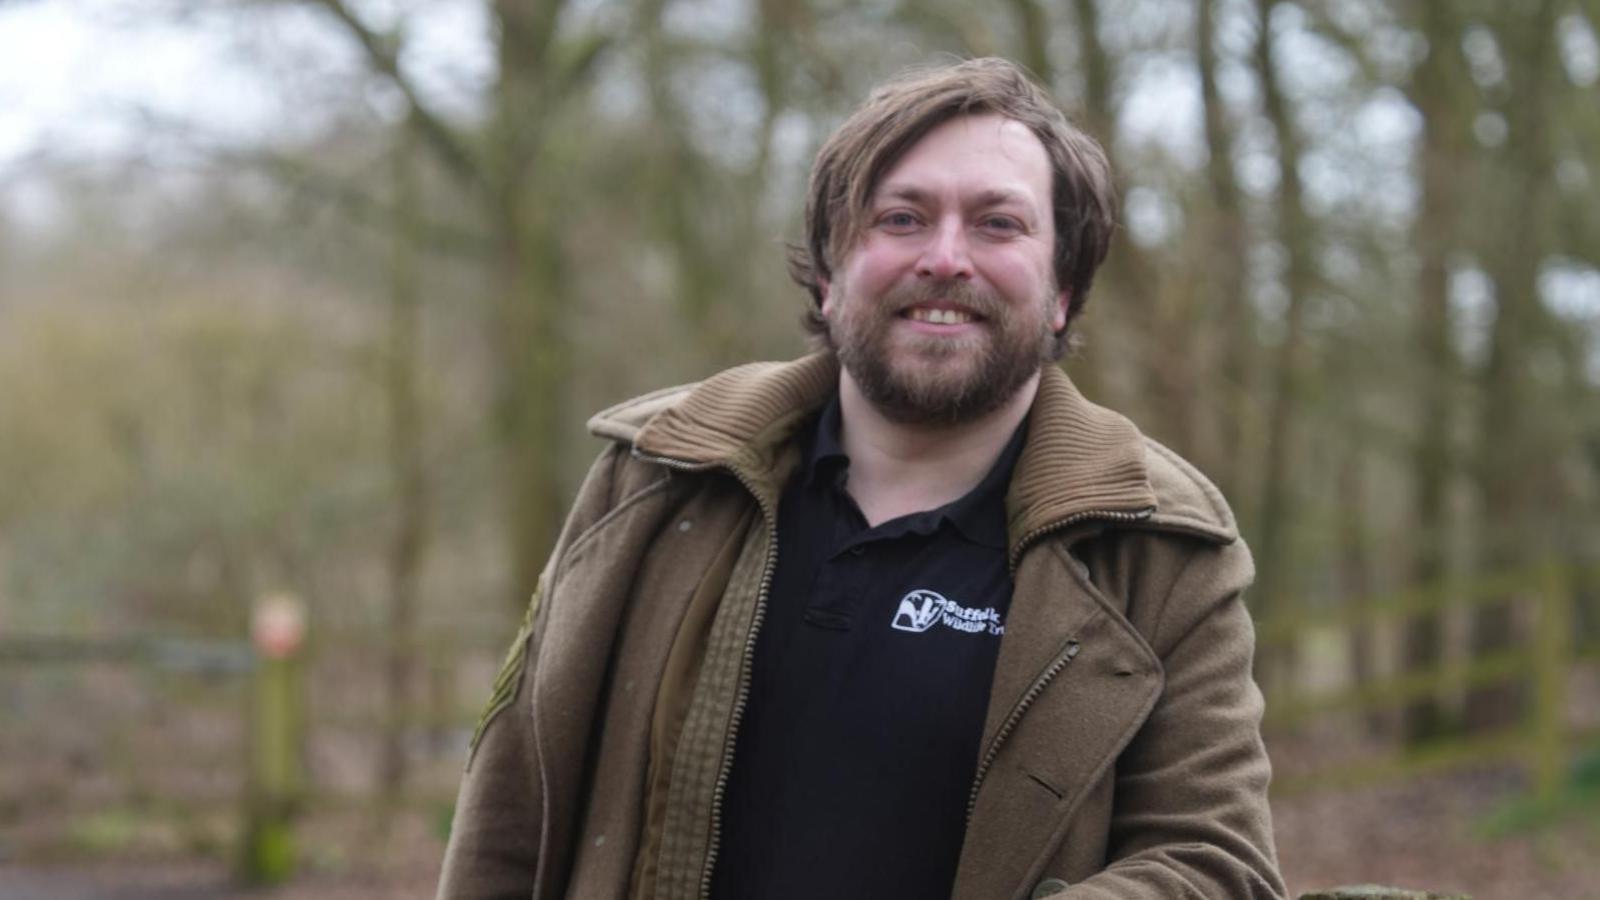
(1049, 737)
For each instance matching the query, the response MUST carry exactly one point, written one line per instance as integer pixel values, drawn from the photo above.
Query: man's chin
(913, 396)
(939, 388)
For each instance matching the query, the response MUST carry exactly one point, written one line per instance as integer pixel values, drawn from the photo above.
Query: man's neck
(897, 469)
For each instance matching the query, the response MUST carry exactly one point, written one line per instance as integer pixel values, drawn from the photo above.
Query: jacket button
(1048, 887)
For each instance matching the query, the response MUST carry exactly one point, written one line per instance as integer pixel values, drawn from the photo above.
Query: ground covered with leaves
(1437, 832)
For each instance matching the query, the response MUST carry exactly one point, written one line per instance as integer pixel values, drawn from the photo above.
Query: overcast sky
(74, 73)
(70, 72)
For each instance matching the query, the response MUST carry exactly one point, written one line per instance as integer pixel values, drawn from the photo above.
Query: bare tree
(1513, 453)
(513, 173)
(1435, 90)
(1227, 246)
(1288, 372)
(405, 439)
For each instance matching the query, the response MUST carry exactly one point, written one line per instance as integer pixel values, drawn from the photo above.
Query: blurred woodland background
(346, 356)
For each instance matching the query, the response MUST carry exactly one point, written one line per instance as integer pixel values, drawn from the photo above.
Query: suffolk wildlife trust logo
(922, 609)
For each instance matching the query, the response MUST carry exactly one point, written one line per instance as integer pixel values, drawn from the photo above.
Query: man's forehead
(997, 160)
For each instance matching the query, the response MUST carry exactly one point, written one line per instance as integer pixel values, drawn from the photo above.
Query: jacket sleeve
(493, 850)
(1190, 815)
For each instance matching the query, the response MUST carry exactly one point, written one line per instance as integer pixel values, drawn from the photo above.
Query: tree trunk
(1512, 461)
(530, 360)
(1155, 316)
(1355, 563)
(1034, 30)
(529, 335)
(1121, 280)
(1277, 517)
(679, 186)
(1227, 243)
(1434, 234)
(408, 544)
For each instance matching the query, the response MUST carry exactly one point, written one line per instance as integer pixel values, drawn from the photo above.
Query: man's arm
(494, 837)
(1190, 815)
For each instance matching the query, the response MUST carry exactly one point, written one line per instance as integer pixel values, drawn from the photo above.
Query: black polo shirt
(859, 743)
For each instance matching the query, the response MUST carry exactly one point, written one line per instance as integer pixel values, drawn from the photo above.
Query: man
(906, 618)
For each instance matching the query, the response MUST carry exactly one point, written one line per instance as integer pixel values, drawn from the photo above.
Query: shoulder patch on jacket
(509, 679)
(1185, 499)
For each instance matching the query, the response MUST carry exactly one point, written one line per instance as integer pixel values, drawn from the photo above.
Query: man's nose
(946, 254)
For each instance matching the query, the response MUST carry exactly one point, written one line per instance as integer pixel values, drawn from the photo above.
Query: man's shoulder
(1186, 500)
(733, 400)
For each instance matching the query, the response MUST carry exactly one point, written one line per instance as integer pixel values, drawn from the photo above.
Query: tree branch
(382, 53)
(361, 205)
(580, 57)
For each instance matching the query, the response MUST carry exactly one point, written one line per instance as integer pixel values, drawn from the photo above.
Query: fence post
(1551, 660)
(277, 632)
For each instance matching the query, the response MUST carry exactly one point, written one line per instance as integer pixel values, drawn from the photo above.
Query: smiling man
(908, 617)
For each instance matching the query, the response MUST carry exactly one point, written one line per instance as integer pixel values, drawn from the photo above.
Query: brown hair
(897, 115)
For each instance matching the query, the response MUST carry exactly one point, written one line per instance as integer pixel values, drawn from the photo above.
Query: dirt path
(1422, 834)
(183, 881)
(1427, 834)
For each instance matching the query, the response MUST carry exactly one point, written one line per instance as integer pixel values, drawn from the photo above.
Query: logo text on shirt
(922, 609)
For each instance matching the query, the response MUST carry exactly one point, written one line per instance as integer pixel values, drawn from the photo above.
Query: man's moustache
(959, 293)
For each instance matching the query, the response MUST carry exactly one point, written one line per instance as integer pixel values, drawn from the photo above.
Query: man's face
(947, 304)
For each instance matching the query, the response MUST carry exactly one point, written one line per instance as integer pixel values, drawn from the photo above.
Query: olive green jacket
(1121, 755)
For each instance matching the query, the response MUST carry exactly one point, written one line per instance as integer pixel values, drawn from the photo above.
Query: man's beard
(929, 379)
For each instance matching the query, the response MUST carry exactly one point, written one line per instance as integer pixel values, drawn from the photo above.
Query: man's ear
(825, 290)
(1058, 318)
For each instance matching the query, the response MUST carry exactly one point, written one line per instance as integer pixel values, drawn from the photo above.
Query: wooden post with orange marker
(276, 778)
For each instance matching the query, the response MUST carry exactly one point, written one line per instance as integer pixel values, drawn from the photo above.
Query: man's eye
(1002, 224)
(898, 221)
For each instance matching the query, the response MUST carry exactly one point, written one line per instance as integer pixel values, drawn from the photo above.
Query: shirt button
(857, 550)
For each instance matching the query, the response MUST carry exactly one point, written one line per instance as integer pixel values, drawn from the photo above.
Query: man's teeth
(939, 316)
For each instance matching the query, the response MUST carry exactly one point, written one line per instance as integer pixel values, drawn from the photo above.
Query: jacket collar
(1081, 462)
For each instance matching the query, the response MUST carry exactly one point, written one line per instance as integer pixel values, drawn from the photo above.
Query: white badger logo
(919, 610)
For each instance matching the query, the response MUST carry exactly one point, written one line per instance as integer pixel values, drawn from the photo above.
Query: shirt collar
(825, 460)
(980, 514)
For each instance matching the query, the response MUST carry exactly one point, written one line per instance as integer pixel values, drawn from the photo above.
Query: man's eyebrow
(986, 198)
(903, 192)
(1000, 197)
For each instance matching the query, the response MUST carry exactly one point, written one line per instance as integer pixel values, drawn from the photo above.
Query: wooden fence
(1546, 657)
(279, 693)
(277, 717)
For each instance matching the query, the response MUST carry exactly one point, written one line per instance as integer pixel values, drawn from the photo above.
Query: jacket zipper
(1065, 656)
(742, 699)
(1060, 662)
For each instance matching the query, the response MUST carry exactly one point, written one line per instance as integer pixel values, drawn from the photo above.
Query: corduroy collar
(1080, 462)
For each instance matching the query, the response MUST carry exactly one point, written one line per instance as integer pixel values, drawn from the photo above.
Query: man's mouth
(939, 316)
